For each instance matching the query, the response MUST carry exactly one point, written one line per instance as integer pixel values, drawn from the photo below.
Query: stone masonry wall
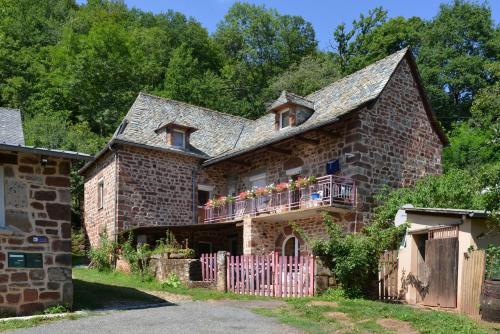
(261, 237)
(37, 203)
(155, 188)
(97, 220)
(396, 144)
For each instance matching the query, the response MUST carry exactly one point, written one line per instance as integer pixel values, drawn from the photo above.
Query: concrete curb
(44, 316)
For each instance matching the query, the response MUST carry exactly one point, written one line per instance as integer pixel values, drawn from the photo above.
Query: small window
(203, 197)
(291, 246)
(178, 138)
(100, 194)
(284, 119)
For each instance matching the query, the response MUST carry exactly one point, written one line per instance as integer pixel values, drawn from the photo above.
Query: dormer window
(291, 110)
(176, 134)
(178, 138)
(284, 118)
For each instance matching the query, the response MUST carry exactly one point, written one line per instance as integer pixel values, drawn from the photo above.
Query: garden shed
(440, 261)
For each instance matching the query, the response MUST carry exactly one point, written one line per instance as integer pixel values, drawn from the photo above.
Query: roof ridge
(196, 106)
(402, 51)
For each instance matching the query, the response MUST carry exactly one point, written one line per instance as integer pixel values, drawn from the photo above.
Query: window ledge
(5, 230)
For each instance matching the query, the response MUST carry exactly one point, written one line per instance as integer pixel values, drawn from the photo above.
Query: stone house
(167, 159)
(35, 221)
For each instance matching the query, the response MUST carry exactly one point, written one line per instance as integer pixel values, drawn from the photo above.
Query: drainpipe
(115, 151)
(193, 180)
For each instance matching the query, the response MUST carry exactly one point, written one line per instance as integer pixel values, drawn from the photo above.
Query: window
(204, 247)
(204, 193)
(2, 199)
(258, 181)
(290, 246)
(284, 118)
(203, 197)
(178, 138)
(100, 194)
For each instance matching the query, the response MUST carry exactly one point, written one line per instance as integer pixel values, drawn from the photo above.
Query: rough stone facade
(99, 219)
(388, 142)
(37, 204)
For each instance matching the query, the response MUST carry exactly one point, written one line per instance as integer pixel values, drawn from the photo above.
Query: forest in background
(74, 71)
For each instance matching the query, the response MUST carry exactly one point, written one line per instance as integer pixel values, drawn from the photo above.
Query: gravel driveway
(183, 317)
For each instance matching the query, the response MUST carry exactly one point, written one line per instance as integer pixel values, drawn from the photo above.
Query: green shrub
(354, 257)
(137, 257)
(78, 242)
(55, 309)
(103, 256)
(170, 245)
(493, 262)
(172, 281)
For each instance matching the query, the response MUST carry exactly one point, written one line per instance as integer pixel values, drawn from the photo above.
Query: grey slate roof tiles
(221, 135)
(11, 127)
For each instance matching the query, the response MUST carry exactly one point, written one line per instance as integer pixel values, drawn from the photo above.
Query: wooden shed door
(441, 260)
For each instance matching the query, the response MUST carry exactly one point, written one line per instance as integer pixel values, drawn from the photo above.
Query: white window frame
(2, 198)
(183, 138)
(100, 193)
(258, 177)
(296, 245)
(281, 118)
(294, 171)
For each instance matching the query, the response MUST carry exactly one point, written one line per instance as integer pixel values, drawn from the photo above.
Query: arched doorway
(290, 246)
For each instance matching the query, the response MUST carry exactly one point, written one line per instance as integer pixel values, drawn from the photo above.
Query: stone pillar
(324, 278)
(222, 271)
(247, 236)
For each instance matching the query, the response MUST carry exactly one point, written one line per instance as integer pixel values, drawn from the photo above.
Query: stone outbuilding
(35, 221)
(434, 252)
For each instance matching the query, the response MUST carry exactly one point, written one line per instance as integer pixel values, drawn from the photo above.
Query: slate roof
(221, 136)
(288, 97)
(11, 127)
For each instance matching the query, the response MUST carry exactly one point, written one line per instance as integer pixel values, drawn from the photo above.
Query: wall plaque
(25, 260)
(39, 239)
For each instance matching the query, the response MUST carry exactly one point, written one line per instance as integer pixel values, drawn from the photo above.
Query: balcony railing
(328, 190)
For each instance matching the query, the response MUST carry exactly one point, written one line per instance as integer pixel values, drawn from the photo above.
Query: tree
(259, 43)
(456, 48)
(312, 73)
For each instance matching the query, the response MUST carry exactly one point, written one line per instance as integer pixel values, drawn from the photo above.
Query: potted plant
(261, 191)
(281, 187)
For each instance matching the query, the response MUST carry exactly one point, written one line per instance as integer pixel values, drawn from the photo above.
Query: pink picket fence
(271, 275)
(209, 267)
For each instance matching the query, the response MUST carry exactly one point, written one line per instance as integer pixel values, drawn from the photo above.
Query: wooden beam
(307, 140)
(328, 133)
(238, 162)
(279, 150)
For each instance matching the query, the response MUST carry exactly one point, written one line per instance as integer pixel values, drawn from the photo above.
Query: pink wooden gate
(208, 267)
(271, 275)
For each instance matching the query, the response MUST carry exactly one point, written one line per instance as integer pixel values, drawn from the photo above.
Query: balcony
(325, 191)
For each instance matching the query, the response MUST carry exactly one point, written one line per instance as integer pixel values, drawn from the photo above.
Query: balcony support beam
(307, 140)
(280, 150)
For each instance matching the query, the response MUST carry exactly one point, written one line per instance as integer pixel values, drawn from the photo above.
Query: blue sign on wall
(332, 166)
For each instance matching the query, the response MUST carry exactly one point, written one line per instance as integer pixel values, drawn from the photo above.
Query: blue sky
(325, 15)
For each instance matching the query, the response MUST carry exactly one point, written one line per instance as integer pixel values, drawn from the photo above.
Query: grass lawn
(93, 289)
(362, 316)
(17, 324)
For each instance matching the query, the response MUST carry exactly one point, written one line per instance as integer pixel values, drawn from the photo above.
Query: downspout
(116, 193)
(194, 177)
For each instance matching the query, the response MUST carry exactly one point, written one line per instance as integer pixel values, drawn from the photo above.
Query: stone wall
(155, 188)
(396, 144)
(261, 237)
(96, 219)
(37, 203)
(185, 269)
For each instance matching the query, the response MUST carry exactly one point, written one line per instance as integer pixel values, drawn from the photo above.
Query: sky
(324, 15)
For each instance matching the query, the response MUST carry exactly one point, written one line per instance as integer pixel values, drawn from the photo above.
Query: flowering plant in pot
(229, 199)
(247, 194)
(292, 185)
(281, 187)
(271, 188)
(311, 180)
(261, 191)
(302, 182)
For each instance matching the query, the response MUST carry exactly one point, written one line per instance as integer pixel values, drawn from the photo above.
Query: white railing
(327, 190)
